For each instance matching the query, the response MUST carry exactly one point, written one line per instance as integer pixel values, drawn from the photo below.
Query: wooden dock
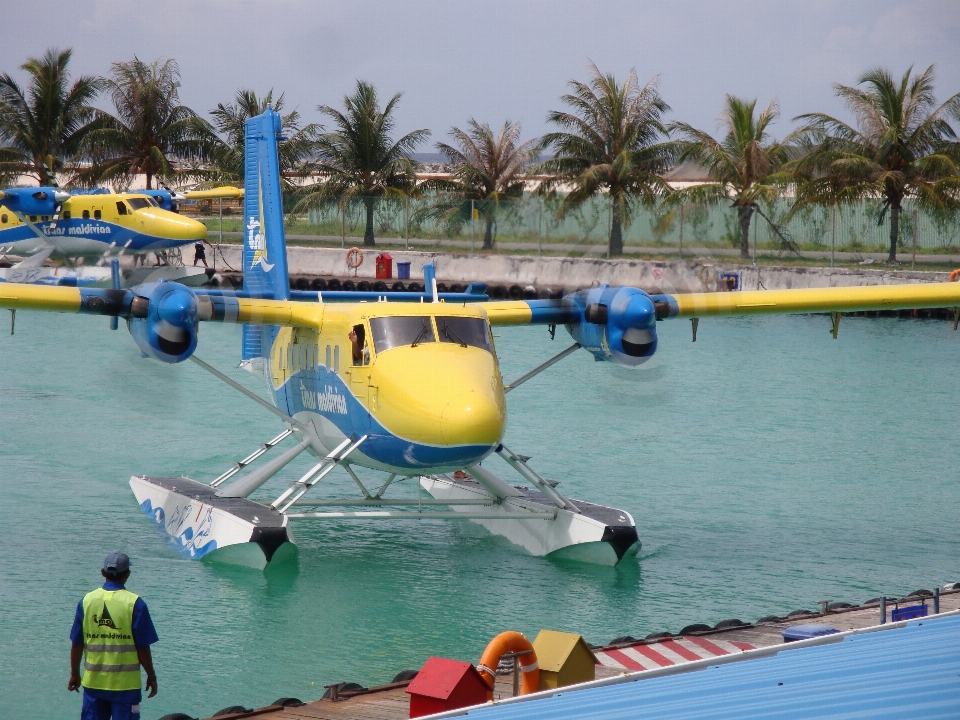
(391, 702)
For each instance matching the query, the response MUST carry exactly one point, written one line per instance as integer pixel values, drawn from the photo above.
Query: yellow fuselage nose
(439, 394)
(165, 224)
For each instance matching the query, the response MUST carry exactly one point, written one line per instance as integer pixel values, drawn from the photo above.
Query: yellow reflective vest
(109, 655)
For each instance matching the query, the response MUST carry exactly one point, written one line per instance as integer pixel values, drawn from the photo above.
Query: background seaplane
(48, 224)
(405, 390)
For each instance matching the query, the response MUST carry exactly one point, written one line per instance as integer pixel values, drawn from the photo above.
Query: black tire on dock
(363, 286)
(529, 293)
(515, 292)
(658, 636)
(456, 287)
(398, 287)
(405, 675)
(544, 293)
(770, 619)
(556, 294)
(302, 284)
(497, 292)
(623, 640)
(799, 613)
(318, 284)
(349, 285)
(839, 606)
(724, 624)
(177, 716)
(231, 710)
(441, 287)
(344, 687)
(333, 284)
(695, 628)
(288, 702)
(415, 287)
(920, 594)
(380, 286)
(870, 602)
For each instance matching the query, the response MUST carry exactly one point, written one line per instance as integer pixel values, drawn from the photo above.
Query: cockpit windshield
(391, 332)
(465, 331)
(138, 203)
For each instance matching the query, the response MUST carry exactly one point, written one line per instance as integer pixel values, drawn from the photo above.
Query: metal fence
(533, 219)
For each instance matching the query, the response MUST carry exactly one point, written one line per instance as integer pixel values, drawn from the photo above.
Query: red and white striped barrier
(665, 653)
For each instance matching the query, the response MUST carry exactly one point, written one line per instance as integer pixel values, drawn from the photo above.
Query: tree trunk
(149, 181)
(894, 232)
(488, 234)
(744, 213)
(368, 240)
(616, 231)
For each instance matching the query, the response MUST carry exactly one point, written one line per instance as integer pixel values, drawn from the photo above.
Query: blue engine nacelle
(163, 321)
(33, 200)
(617, 324)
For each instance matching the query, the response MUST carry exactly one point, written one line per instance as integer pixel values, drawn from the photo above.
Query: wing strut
(539, 369)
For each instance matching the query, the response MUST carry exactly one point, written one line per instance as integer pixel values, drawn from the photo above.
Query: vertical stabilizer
(264, 246)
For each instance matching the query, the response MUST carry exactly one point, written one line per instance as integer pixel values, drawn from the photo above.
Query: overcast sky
(494, 60)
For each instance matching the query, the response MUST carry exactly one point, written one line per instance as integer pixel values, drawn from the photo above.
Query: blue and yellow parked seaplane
(47, 223)
(403, 389)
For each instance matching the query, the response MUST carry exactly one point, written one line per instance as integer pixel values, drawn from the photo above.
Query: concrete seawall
(572, 273)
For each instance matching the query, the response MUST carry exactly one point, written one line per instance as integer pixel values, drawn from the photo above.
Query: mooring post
(936, 601)
(883, 610)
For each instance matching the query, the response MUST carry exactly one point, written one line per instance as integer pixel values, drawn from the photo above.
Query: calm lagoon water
(767, 466)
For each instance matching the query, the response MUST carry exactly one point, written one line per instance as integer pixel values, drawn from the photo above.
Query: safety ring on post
(510, 642)
(955, 275)
(354, 258)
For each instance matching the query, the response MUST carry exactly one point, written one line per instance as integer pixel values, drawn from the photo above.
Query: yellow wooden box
(564, 659)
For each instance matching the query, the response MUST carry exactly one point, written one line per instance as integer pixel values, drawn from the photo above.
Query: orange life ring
(507, 642)
(354, 258)
(954, 275)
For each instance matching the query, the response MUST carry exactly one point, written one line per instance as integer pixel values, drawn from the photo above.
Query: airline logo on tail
(258, 243)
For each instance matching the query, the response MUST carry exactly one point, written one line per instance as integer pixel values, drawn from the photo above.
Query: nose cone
(472, 418)
(171, 226)
(440, 394)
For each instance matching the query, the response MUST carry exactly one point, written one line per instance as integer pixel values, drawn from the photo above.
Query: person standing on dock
(113, 633)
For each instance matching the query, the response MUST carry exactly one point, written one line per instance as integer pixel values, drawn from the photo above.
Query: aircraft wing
(750, 302)
(226, 192)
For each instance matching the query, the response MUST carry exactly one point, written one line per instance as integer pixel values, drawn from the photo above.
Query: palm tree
(609, 142)
(902, 146)
(42, 129)
(151, 130)
(487, 168)
(230, 121)
(360, 159)
(745, 164)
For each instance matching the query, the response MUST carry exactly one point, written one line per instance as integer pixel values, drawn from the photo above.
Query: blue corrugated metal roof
(912, 671)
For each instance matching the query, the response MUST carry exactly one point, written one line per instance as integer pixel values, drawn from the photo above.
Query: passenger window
(33, 218)
(138, 203)
(327, 364)
(86, 214)
(464, 331)
(336, 358)
(3, 218)
(96, 214)
(121, 208)
(391, 332)
(66, 215)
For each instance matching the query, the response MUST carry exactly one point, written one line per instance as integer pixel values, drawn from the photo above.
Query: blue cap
(116, 563)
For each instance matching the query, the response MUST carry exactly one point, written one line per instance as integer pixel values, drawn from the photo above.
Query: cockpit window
(465, 331)
(138, 203)
(391, 332)
(153, 201)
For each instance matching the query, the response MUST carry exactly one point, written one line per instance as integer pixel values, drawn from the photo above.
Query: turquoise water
(767, 466)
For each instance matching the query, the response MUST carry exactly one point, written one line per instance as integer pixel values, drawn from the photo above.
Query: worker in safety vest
(113, 633)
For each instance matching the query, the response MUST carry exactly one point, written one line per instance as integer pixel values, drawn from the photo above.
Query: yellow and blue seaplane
(44, 224)
(407, 390)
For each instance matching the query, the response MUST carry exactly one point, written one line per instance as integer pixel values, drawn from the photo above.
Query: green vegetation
(902, 146)
(361, 159)
(890, 179)
(609, 143)
(744, 165)
(42, 128)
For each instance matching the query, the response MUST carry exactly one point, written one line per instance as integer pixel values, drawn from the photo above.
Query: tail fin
(264, 246)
